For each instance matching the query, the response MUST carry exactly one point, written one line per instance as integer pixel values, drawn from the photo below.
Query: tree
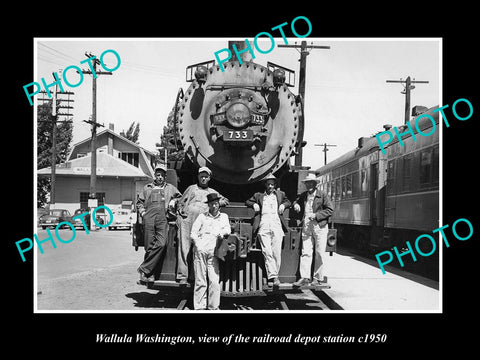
(167, 140)
(44, 147)
(132, 133)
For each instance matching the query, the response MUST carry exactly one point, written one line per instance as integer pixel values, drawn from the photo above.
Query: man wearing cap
(190, 205)
(152, 204)
(269, 224)
(315, 207)
(206, 230)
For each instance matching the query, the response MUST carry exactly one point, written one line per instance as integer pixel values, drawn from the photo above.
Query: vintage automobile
(55, 217)
(122, 218)
(77, 223)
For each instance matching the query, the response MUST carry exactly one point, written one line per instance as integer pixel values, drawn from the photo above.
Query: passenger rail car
(383, 200)
(242, 123)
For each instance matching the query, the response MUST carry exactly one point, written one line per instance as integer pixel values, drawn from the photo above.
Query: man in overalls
(152, 205)
(190, 205)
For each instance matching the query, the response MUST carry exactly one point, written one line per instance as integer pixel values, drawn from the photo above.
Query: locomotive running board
(283, 287)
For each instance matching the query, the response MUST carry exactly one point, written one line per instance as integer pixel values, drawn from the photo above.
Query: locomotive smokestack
(240, 45)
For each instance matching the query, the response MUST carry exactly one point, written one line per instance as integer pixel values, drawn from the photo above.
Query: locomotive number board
(237, 135)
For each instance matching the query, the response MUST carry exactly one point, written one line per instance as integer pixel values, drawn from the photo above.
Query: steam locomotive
(243, 123)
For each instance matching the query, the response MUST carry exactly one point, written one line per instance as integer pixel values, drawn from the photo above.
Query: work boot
(301, 282)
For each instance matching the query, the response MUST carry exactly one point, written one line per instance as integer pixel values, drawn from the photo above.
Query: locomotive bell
(201, 74)
(278, 77)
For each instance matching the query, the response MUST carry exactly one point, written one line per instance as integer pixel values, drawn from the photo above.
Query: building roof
(107, 165)
(103, 133)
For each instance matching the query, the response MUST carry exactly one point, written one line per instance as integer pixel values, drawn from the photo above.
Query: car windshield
(59, 212)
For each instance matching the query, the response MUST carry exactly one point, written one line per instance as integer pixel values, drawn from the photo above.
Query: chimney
(111, 126)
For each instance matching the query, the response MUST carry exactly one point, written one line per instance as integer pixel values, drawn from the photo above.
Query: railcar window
(337, 189)
(407, 171)
(344, 187)
(425, 167)
(435, 169)
(390, 176)
(349, 185)
(355, 184)
(363, 181)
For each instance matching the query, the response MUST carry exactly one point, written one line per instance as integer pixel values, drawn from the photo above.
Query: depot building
(123, 169)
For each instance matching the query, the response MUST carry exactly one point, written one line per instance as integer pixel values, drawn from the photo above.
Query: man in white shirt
(206, 229)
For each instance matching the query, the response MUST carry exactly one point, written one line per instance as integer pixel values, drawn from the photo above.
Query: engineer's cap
(310, 177)
(205, 169)
(161, 167)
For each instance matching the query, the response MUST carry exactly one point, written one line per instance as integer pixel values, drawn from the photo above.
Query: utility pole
(304, 51)
(55, 115)
(325, 151)
(408, 86)
(93, 122)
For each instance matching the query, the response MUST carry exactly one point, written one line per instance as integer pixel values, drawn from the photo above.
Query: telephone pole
(408, 86)
(55, 115)
(325, 151)
(93, 122)
(304, 51)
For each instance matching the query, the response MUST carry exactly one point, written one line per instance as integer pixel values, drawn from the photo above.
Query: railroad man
(269, 225)
(153, 203)
(316, 208)
(208, 229)
(190, 205)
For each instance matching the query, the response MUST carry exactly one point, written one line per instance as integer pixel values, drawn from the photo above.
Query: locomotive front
(242, 122)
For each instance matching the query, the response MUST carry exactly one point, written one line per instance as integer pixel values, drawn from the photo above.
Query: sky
(346, 95)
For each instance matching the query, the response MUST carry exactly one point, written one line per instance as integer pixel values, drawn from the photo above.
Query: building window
(84, 200)
(130, 157)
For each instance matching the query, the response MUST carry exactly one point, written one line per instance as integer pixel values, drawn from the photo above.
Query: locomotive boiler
(243, 123)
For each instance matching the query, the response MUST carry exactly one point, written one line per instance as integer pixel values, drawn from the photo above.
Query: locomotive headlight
(238, 115)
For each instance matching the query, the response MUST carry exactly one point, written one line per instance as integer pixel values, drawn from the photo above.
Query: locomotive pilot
(316, 208)
(269, 225)
(207, 229)
(190, 205)
(152, 204)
